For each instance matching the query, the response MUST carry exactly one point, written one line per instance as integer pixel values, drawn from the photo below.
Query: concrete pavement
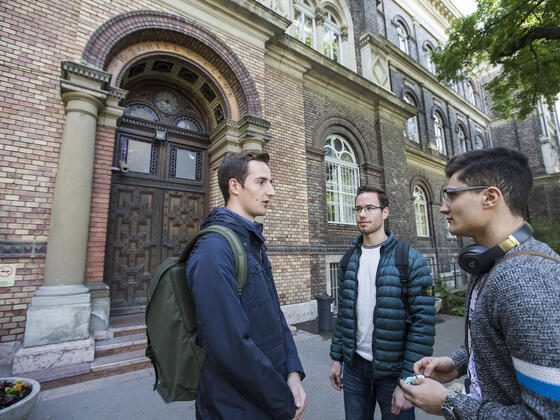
(130, 396)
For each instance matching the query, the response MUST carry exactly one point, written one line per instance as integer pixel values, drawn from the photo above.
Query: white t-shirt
(365, 304)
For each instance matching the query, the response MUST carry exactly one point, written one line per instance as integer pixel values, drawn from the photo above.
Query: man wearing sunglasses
(511, 355)
(373, 345)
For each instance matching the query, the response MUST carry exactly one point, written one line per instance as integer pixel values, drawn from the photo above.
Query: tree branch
(549, 33)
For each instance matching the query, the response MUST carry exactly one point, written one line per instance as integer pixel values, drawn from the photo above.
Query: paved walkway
(130, 396)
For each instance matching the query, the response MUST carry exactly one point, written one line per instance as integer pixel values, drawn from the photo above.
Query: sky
(465, 6)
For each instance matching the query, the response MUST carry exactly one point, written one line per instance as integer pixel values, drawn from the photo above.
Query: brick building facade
(115, 116)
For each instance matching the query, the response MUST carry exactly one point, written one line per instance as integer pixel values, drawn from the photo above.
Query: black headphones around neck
(477, 260)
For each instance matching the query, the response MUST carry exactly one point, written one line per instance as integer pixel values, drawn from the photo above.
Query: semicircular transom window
(141, 111)
(342, 178)
(188, 123)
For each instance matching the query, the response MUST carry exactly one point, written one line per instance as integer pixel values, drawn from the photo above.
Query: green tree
(520, 39)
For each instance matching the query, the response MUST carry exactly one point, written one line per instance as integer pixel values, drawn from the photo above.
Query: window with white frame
(439, 132)
(331, 37)
(304, 22)
(421, 212)
(402, 38)
(462, 139)
(411, 125)
(430, 65)
(470, 92)
(332, 262)
(342, 180)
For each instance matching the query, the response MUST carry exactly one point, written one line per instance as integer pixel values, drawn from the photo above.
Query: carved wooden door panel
(182, 216)
(135, 245)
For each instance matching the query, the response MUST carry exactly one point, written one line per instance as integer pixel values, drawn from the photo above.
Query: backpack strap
(346, 258)
(401, 262)
(239, 256)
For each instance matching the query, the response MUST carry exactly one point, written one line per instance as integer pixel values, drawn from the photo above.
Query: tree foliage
(520, 39)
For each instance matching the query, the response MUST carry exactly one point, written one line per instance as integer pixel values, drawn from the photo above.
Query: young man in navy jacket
(252, 370)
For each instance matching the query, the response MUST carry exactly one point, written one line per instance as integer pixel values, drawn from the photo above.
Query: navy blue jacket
(250, 349)
(395, 347)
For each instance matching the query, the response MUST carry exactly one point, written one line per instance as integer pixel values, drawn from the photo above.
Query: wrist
(448, 407)
(294, 376)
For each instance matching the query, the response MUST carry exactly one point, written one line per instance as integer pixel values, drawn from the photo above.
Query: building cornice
(330, 78)
(426, 161)
(247, 20)
(549, 179)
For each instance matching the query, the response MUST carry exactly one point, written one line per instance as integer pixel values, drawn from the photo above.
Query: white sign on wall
(7, 275)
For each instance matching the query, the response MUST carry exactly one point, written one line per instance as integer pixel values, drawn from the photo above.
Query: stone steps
(119, 350)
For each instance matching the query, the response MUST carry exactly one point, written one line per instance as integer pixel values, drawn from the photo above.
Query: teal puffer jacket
(395, 349)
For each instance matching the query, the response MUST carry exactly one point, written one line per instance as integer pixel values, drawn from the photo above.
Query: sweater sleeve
(420, 334)
(524, 311)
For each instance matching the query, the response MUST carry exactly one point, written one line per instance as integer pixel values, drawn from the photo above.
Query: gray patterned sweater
(516, 341)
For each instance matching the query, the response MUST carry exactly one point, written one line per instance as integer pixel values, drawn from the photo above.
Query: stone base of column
(100, 306)
(300, 312)
(53, 355)
(58, 314)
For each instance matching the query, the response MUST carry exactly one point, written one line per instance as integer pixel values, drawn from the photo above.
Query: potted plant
(17, 397)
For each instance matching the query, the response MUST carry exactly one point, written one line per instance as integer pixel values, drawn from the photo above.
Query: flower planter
(22, 409)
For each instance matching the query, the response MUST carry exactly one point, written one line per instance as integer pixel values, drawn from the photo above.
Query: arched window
(402, 38)
(439, 132)
(331, 37)
(462, 139)
(411, 127)
(478, 143)
(430, 65)
(304, 22)
(342, 180)
(421, 212)
(470, 92)
(141, 111)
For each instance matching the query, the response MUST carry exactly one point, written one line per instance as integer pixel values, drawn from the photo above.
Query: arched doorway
(159, 182)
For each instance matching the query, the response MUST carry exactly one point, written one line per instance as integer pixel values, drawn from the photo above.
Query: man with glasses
(511, 355)
(373, 345)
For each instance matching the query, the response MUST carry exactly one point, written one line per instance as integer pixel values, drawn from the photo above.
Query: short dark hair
(382, 195)
(500, 167)
(236, 166)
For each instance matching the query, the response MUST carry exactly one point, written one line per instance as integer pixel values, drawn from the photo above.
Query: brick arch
(134, 27)
(335, 124)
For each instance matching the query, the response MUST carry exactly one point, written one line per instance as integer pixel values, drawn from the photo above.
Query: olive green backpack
(171, 321)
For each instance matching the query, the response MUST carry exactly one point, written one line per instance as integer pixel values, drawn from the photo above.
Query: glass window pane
(138, 157)
(141, 111)
(186, 164)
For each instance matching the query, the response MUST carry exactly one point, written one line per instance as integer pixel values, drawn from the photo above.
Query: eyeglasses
(449, 194)
(367, 209)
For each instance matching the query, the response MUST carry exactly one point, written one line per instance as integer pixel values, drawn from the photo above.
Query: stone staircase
(120, 350)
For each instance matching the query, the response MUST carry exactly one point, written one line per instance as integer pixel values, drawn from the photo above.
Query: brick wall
(286, 221)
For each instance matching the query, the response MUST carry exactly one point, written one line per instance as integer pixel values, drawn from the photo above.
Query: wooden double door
(155, 208)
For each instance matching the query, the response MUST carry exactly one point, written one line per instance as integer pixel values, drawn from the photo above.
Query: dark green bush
(452, 302)
(547, 232)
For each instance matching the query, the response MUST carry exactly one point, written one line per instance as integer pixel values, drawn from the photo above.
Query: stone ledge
(51, 356)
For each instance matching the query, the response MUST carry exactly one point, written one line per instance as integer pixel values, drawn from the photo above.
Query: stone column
(57, 327)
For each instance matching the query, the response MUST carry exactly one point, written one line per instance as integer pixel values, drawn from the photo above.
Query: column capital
(249, 133)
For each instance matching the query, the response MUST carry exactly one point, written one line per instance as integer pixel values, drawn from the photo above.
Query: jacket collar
(242, 226)
(389, 242)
